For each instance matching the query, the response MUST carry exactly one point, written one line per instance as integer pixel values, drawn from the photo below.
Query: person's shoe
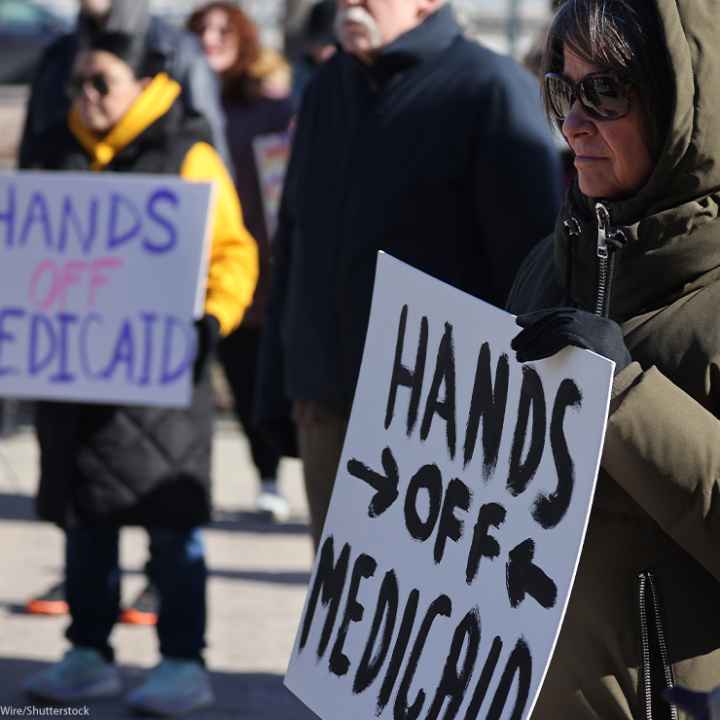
(174, 687)
(82, 674)
(51, 602)
(144, 609)
(271, 504)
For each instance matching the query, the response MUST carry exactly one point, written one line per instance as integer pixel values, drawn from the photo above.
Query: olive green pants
(321, 433)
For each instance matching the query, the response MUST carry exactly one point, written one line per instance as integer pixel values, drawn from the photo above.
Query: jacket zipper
(603, 255)
(650, 610)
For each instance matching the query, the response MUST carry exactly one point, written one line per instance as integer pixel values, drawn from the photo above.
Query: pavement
(12, 117)
(258, 577)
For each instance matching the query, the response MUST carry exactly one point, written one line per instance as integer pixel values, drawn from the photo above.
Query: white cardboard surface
(100, 277)
(387, 540)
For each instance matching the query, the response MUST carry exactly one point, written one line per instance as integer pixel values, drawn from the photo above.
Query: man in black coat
(415, 141)
(178, 53)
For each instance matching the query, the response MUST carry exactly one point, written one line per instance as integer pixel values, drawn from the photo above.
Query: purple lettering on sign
(37, 214)
(7, 215)
(7, 336)
(166, 196)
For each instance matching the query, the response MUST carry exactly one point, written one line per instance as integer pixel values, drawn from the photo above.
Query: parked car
(26, 29)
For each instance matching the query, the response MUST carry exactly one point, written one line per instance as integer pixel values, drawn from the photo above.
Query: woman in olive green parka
(633, 272)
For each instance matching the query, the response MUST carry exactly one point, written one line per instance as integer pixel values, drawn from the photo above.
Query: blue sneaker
(82, 674)
(174, 687)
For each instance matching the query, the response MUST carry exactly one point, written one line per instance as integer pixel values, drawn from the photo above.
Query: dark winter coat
(182, 58)
(644, 608)
(439, 154)
(123, 465)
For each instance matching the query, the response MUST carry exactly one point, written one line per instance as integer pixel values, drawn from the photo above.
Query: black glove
(208, 334)
(698, 705)
(546, 332)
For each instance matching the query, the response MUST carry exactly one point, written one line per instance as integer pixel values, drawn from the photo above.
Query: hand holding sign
(546, 332)
(457, 517)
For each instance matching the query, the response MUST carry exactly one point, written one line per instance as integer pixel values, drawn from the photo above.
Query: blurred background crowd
(28, 26)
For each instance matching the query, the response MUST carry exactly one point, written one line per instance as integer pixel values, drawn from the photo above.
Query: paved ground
(12, 115)
(256, 591)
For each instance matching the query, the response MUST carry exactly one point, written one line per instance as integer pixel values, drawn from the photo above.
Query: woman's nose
(577, 122)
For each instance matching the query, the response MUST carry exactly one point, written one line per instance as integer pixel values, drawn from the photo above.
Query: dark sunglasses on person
(97, 81)
(603, 96)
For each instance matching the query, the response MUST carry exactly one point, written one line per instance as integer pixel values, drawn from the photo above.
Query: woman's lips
(588, 158)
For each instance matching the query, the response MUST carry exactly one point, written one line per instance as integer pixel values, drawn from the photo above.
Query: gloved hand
(700, 706)
(546, 332)
(208, 335)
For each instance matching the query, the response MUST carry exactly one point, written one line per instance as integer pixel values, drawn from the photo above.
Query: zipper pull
(603, 224)
(572, 227)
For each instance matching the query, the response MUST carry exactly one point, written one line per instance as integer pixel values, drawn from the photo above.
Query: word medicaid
(508, 663)
(63, 348)
(102, 222)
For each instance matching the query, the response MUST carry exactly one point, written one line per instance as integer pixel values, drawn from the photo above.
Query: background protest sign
(272, 153)
(100, 278)
(459, 510)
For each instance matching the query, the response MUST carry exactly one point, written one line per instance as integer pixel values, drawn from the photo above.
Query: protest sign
(271, 158)
(457, 518)
(100, 279)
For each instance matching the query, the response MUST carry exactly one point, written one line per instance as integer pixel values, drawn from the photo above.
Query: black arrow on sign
(525, 578)
(385, 485)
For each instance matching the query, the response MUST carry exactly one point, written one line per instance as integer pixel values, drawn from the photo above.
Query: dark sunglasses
(97, 81)
(603, 96)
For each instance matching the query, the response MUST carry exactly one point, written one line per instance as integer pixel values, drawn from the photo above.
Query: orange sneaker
(143, 610)
(52, 602)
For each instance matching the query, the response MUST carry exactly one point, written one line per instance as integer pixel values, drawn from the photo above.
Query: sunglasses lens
(604, 97)
(560, 95)
(100, 84)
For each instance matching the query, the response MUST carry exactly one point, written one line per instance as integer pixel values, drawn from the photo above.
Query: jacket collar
(656, 260)
(154, 102)
(433, 36)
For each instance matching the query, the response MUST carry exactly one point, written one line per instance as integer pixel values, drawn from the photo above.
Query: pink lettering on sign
(51, 281)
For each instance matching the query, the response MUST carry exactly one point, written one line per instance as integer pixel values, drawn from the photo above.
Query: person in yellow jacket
(105, 467)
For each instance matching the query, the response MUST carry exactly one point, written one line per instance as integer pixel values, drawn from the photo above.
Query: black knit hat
(131, 49)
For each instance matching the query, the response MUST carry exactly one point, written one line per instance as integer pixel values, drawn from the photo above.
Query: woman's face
(612, 157)
(218, 40)
(106, 89)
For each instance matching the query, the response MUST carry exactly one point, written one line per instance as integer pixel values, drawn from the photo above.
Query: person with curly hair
(252, 108)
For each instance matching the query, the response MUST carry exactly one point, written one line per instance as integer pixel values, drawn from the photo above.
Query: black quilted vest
(123, 465)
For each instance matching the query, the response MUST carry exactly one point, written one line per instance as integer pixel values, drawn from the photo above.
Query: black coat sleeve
(48, 102)
(518, 175)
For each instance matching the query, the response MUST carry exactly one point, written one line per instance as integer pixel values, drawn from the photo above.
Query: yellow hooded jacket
(233, 267)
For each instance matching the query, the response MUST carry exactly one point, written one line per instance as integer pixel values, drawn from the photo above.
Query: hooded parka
(122, 465)
(645, 608)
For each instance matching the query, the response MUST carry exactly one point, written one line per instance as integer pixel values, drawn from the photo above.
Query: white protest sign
(457, 518)
(101, 276)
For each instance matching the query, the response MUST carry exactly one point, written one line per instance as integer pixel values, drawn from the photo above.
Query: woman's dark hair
(623, 37)
(237, 82)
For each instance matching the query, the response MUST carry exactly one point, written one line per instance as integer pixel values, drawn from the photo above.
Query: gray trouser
(321, 434)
